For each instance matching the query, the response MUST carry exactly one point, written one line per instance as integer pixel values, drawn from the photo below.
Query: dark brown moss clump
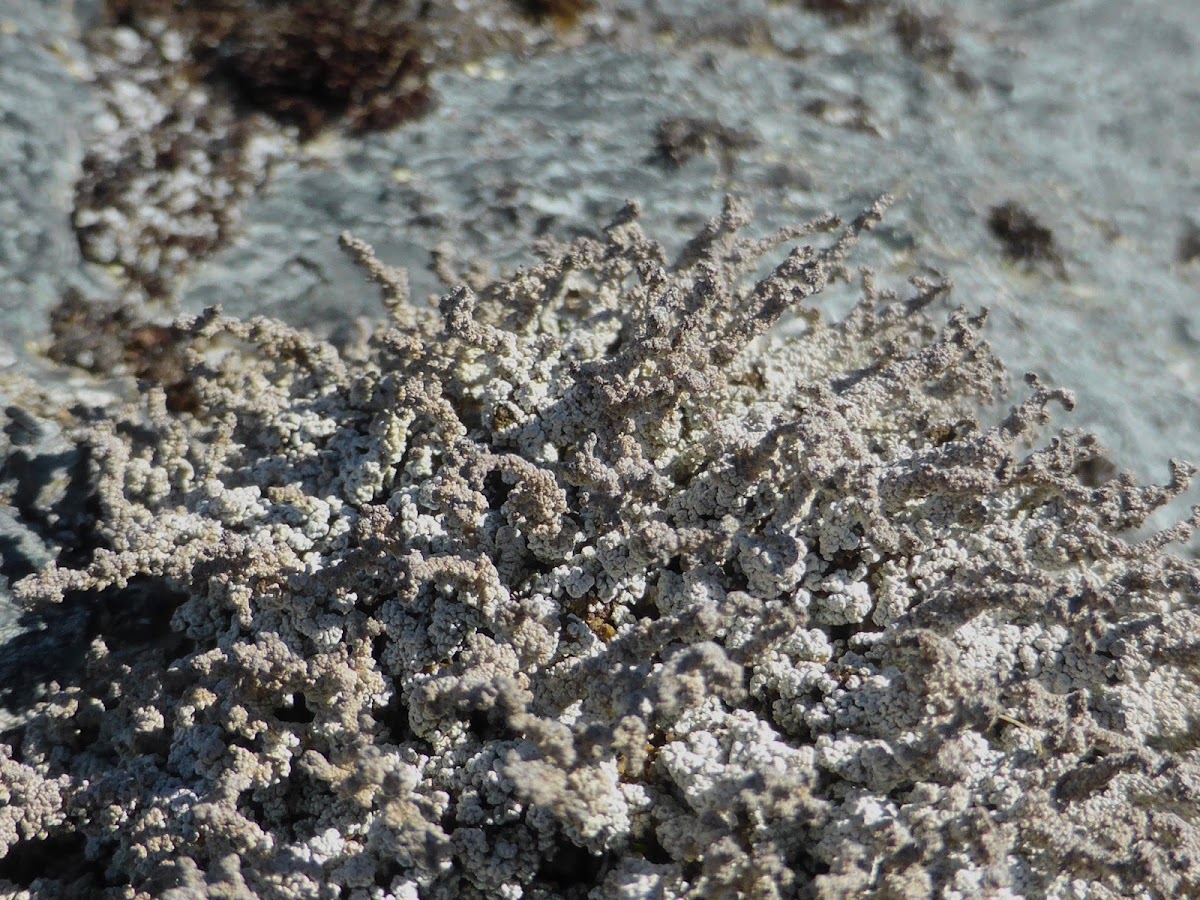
(1024, 238)
(314, 61)
(113, 338)
(680, 138)
(563, 13)
(307, 62)
(924, 38)
(846, 11)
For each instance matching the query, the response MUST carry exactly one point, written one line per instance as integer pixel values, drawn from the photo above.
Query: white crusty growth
(589, 584)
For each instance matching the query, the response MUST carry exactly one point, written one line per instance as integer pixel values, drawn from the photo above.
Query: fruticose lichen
(590, 583)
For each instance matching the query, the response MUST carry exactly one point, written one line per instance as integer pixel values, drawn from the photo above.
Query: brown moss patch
(306, 63)
(1024, 238)
(113, 339)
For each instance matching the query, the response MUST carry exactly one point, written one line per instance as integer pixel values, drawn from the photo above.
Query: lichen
(592, 582)
(200, 100)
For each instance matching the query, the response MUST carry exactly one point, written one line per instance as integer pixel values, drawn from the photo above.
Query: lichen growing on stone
(202, 99)
(590, 583)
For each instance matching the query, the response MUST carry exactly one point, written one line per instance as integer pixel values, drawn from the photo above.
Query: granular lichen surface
(590, 582)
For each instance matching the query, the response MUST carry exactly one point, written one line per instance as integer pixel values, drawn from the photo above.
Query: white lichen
(590, 586)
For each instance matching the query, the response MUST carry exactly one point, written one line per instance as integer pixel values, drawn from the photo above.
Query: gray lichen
(589, 582)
